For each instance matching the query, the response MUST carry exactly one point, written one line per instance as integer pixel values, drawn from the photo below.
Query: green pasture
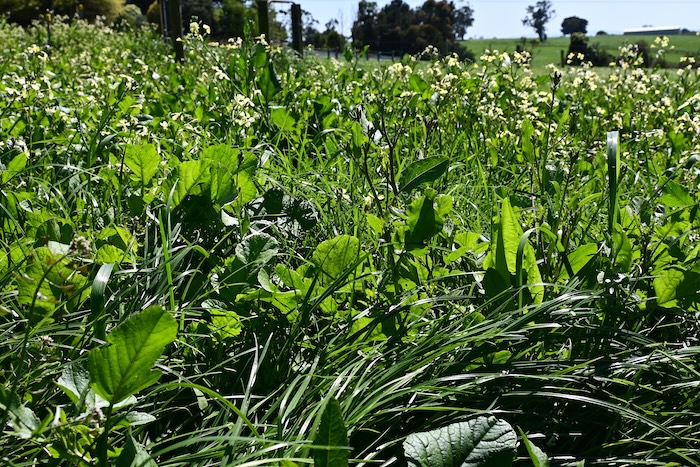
(549, 51)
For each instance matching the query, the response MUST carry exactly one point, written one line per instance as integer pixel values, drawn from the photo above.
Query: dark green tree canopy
(574, 24)
(463, 20)
(398, 28)
(25, 11)
(538, 15)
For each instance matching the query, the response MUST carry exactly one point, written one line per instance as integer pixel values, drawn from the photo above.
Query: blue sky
(503, 18)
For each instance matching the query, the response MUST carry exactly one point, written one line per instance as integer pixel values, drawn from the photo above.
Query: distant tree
(24, 11)
(580, 51)
(364, 28)
(393, 23)
(435, 27)
(601, 33)
(463, 18)
(328, 39)
(234, 16)
(574, 24)
(398, 28)
(538, 15)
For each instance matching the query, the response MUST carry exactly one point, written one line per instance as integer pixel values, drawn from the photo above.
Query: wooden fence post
(176, 30)
(171, 26)
(296, 29)
(263, 19)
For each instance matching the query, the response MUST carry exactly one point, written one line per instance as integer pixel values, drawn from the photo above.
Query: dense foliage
(257, 259)
(25, 11)
(397, 27)
(573, 24)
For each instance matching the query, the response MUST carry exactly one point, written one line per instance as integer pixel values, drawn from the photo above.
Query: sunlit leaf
(422, 171)
(142, 160)
(124, 367)
(481, 442)
(332, 433)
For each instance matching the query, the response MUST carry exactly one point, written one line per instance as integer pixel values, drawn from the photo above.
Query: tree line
(226, 18)
(398, 28)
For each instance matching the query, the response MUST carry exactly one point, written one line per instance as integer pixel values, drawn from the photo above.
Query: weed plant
(423, 244)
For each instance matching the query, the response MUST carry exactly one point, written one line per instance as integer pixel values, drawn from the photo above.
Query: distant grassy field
(549, 52)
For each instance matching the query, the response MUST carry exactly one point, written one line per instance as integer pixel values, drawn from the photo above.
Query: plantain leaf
(125, 367)
(503, 257)
(426, 217)
(482, 441)
(282, 119)
(269, 82)
(333, 434)
(15, 167)
(422, 171)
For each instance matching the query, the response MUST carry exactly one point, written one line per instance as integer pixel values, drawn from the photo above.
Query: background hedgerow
(424, 243)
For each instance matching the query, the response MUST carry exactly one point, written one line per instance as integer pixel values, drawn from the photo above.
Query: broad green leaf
(537, 456)
(134, 418)
(334, 257)
(375, 223)
(259, 56)
(282, 119)
(125, 366)
(75, 382)
(358, 137)
(107, 254)
(118, 236)
(50, 280)
(503, 256)
(15, 166)
(224, 322)
(332, 433)
(422, 171)
(194, 179)
(526, 139)
(269, 83)
(232, 174)
(581, 256)
(143, 161)
(483, 441)
(675, 195)
(20, 418)
(223, 162)
(426, 217)
(417, 83)
(624, 251)
(509, 233)
(467, 242)
(134, 455)
(256, 251)
(667, 285)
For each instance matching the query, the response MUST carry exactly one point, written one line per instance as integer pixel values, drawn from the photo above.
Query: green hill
(550, 51)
